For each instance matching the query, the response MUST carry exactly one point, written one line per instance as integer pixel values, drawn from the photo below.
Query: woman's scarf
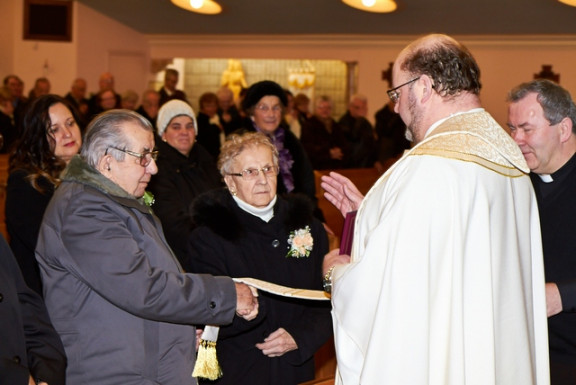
(285, 160)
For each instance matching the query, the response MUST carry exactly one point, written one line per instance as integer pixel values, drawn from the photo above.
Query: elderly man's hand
(246, 301)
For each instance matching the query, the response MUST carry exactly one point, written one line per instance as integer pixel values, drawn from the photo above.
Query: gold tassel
(207, 365)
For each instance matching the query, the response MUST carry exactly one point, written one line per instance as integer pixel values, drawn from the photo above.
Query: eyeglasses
(266, 108)
(144, 157)
(394, 94)
(252, 173)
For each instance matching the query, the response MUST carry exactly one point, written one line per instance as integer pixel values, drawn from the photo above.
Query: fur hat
(264, 88)
(172, 109)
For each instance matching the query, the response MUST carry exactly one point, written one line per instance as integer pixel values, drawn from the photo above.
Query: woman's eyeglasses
(252, 173)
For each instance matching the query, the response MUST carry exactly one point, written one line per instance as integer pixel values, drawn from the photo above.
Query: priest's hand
(553, 299)
(277, 343)
(246, 301)
(334, 258)
(341, 192)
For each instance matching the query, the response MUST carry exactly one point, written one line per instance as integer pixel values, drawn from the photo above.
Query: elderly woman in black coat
(249, 231)
(185, 170)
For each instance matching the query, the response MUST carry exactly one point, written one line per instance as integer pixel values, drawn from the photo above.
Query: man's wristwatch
(327, 280)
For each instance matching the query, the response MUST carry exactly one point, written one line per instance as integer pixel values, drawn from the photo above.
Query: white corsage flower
(300, 243)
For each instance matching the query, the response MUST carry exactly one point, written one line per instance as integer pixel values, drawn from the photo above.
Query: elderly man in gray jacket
(114, 290)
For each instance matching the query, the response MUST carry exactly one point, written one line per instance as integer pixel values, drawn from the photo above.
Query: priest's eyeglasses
(394, 94)
(144, 157)
(252, 173)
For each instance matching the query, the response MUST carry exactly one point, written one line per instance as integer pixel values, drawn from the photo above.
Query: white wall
(7, 31)
(106, 45)
(102, 44)
(98, 44)
(31, 59)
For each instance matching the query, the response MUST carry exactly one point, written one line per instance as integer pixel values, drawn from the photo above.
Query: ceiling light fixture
(378, 6)
(569, 2)
(206, 7)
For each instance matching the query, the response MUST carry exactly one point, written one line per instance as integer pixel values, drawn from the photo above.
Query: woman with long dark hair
(50, 137)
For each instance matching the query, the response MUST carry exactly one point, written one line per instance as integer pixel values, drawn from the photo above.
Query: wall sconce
(378, 6)
(206, 7)
(569, 2)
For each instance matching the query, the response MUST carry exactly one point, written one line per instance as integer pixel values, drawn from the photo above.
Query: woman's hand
(341, 192)
(32, 382)
(277, 343)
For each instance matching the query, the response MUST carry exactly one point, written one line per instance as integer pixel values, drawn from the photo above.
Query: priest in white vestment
(445, 283)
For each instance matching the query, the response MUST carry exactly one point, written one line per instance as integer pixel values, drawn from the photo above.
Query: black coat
(176, 95)
(236, 121)
(208, 135)
(29, 345)
(317, 142)
(25, 208)
(362, 140)
(557, 206)
(391, 132)
(179, 180)
(8, 131)
(230, 241)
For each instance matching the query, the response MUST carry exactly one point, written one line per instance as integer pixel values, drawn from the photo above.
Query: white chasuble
(446, 283)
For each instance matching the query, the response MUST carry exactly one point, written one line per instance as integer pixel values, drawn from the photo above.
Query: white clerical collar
(264, 213)
(433, 126)
(546, 178)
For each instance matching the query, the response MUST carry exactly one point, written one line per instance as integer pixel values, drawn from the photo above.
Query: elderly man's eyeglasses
(394, 94)
(144, 157)
(252, 173)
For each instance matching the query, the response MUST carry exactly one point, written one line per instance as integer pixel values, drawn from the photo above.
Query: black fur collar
(217, 210)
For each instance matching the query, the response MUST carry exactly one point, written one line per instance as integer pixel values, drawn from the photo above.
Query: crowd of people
(126, 225)
(351, 140)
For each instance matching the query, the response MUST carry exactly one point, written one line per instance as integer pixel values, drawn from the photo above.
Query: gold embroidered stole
(475, 137)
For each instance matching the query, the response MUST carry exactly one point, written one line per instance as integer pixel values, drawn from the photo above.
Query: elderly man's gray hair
(106, 131)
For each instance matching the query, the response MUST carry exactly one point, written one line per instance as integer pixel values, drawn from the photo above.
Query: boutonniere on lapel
(148, 198)
(300, 243)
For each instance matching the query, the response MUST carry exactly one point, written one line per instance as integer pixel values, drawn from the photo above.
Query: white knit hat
(172, 109)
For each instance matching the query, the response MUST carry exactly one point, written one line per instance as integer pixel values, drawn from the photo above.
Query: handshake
(246, 301)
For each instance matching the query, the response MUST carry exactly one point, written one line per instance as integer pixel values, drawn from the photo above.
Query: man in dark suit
(31, 351)
(19, 101)
(542, 121)
(169, 91)
(77, 97)
(105, 83)
(228, 113)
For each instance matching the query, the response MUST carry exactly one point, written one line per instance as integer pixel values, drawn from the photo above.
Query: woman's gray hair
(105, 131)
(235, 144)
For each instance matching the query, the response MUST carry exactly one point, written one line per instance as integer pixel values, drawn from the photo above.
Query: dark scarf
(285, 160)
